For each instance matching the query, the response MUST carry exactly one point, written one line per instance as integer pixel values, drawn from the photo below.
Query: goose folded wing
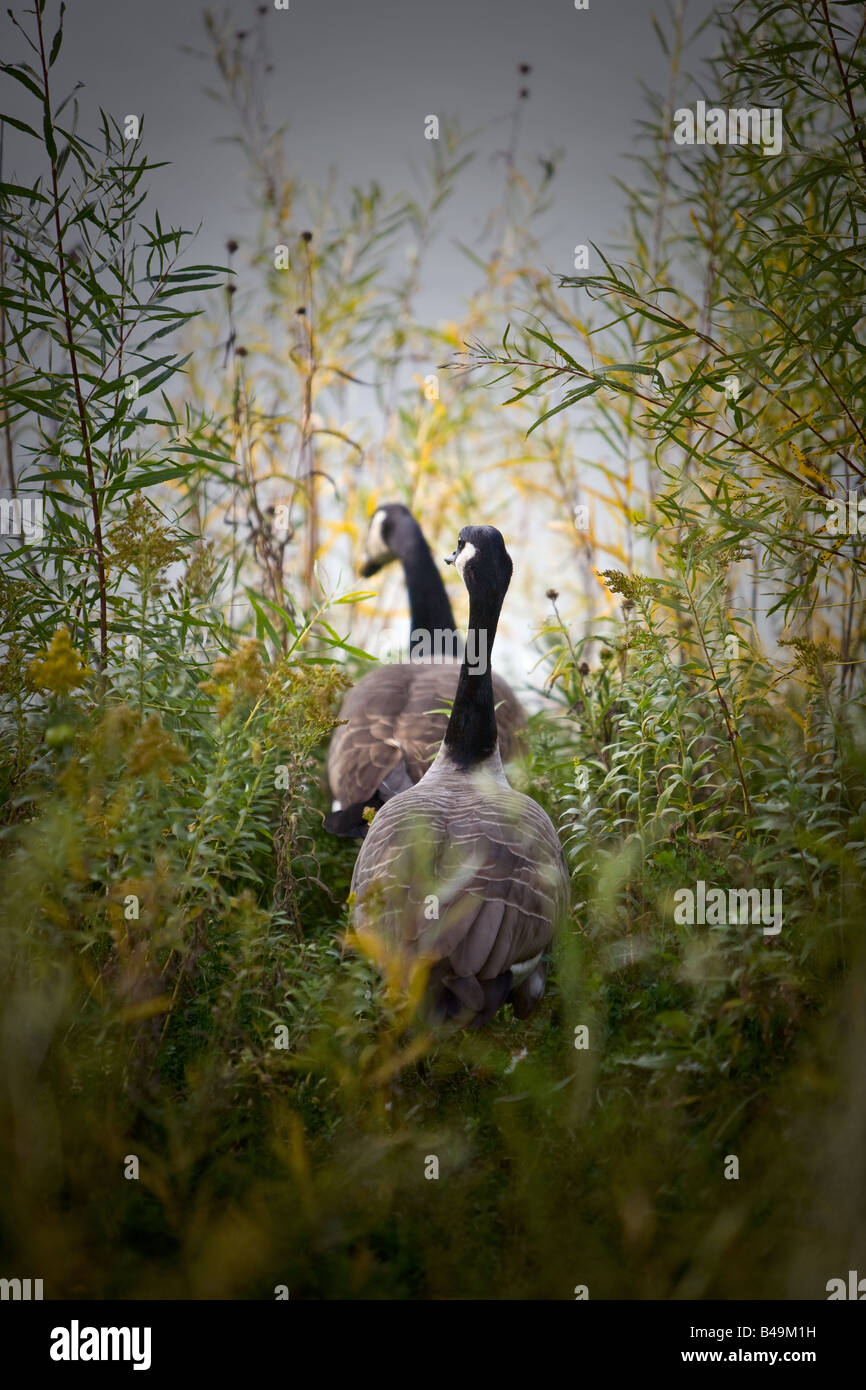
(500, 882)
(510, 720)
(421, 726)
(508, 910)
(422, 723)
(366, 748)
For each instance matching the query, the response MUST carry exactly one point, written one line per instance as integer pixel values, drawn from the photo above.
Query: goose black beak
(449, 559)
(370, 566)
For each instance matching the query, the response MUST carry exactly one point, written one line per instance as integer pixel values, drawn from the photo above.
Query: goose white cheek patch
(376, 546)
(465, 554)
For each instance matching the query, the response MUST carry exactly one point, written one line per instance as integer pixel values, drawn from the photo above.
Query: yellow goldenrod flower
(237, 678)
(154, 751)
(61, 667)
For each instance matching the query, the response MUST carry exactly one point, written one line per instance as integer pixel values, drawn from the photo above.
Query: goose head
(483, 563)
(391, 533)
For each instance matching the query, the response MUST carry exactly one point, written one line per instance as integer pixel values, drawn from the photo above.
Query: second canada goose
(462, 871)
(394, 719)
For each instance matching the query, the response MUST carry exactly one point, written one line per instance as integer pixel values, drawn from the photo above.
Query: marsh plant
(202, 442)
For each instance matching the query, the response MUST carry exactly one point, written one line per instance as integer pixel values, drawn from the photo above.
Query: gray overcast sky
(354, 81)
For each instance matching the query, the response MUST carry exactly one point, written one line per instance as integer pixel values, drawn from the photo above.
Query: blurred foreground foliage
(176, 985)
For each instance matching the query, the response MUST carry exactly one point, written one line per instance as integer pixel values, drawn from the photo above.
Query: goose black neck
(471, 734)
(429, 607)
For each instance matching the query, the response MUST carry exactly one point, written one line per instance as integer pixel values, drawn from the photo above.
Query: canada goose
(395, 717)
(462, 870)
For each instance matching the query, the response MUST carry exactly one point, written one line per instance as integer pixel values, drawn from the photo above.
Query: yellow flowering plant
(60, 668)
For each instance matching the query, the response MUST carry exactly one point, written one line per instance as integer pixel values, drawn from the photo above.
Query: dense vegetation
(177, 981)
